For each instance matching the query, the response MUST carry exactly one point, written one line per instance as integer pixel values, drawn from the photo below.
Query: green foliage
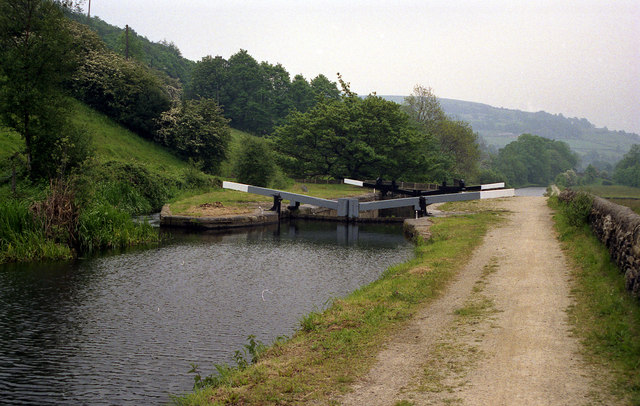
(133, 180)
(123, 89)
(255, 164)
(533, 160)
(577, 208)
(627, 171)
(37, 54)
(352, 137)
(567, 178)
(123, 196)
(196, 130)
(161, 56)
(249, 355)
(22, 237)
(102, 226)
(255, 96)
(457, 144)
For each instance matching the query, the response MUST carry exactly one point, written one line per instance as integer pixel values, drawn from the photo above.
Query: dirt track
(499, 336)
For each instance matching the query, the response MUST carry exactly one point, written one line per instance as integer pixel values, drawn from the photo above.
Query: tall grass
(102, 226)
(22, 237)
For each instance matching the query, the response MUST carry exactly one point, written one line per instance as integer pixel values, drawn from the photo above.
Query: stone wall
(618, 228)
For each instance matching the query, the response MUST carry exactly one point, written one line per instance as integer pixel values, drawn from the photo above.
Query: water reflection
(123, 329)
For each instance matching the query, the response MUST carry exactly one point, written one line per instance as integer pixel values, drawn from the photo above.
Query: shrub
(255, 164)
(577, 207)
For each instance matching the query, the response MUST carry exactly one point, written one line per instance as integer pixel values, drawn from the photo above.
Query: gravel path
(499, 336)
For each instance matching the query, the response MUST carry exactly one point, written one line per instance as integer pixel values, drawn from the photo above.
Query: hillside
(162, 56)
(500, 126)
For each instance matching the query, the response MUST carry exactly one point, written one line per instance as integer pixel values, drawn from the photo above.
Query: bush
(576, 207)
(255, 164)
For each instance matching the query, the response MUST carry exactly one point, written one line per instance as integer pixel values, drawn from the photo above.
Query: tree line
(312, 128)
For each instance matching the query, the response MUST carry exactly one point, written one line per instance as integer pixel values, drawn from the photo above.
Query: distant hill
(500, 126)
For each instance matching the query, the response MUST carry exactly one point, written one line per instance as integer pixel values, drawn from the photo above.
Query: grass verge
(335, 347)
(187, 203)
(605, 316)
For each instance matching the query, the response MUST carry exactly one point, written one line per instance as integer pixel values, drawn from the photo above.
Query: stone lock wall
(618, 228)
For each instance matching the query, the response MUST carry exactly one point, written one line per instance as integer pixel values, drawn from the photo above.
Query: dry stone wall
(618, 228)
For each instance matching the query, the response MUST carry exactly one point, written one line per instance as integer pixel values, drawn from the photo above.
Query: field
(622, 195)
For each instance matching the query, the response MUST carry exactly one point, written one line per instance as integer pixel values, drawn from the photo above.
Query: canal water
(124, 329)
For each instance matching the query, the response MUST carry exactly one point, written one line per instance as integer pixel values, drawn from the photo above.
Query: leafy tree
(276, 94)
(534, 160)
(323, 87)
(256, 97)
(197, 130)
(209, 80)
(627, 171)
(351, 137)
(457, 140)
(123, 89)
(457, 143)
(36, 56)
(246, 86)
(255, 164)
(302, 94)
(590, 174)
(424, 107)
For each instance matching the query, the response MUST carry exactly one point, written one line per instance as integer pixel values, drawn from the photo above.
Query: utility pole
(126, 49)
(89, 10)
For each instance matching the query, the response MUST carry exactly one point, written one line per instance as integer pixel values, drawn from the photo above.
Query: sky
(578, 58)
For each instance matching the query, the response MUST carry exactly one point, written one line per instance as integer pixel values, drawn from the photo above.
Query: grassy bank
(336, 346)
(125, 176)
(605, 316)
(187, 204)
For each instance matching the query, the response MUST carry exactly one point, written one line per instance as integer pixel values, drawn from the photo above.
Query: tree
(424, 107)
(198, 130)
(255, 165)
(209, 80)
(533, 160)
(627, 171)
(351, 137)
(37, 56)
(457, 140)
(302, 94)
(457, 143)
(323, 87)
(125, 90)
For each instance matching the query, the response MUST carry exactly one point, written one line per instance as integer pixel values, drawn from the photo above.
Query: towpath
(498, 336)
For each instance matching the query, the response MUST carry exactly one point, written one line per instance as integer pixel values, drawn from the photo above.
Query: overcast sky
(579, 58)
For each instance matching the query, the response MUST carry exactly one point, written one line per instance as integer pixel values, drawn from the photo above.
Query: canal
(124, 328)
